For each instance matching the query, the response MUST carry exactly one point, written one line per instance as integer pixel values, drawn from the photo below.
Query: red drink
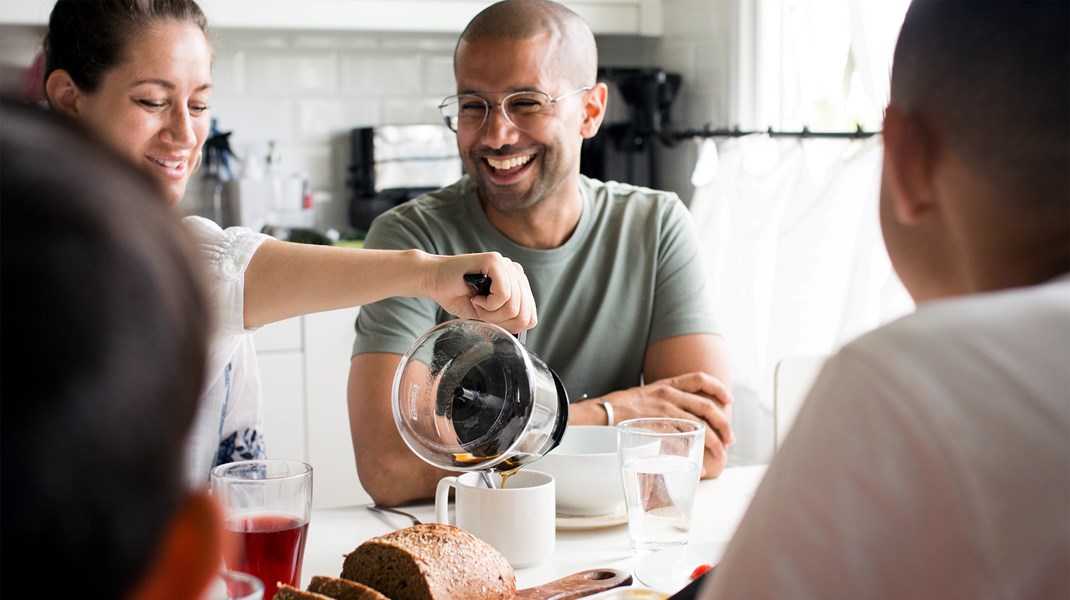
(270, 547)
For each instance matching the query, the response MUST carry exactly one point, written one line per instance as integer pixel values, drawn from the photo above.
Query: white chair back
(792, 379)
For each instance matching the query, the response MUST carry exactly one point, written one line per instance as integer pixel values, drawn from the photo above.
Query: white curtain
(795, 256)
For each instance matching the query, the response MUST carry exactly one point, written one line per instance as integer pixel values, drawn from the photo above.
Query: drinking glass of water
(660, 461)
(266, 506)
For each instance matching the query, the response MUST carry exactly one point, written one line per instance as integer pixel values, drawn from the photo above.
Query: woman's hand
(510, 303)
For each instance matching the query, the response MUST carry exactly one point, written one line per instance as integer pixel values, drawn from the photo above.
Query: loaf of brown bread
(343, 589)
(431, 562)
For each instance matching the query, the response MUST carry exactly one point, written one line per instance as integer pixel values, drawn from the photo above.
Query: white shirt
(931, 460)
(228, 425)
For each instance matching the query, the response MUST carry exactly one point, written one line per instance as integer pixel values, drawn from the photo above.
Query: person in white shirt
(138, 73)
(932, 456)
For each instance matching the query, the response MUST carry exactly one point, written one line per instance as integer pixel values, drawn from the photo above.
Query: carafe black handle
(480, 284)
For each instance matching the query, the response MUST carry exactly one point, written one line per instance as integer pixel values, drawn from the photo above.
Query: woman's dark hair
(105, 337)
(88, 38)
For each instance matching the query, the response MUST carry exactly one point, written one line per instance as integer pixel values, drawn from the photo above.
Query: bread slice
(288, 592)
(431, 562)
(343, 589)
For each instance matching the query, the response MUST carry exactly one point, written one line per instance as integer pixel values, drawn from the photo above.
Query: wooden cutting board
(577, 585)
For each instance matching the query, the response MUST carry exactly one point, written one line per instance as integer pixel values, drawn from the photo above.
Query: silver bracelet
(609, 412)
(606, 405)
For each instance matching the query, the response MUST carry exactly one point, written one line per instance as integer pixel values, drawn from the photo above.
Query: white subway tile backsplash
(340, 41)
(381, 73)
(708, 72)
(439, 75)
(678, 57)
(228, 73)
(291, 72)
(625, 51)
(251, 39)
(254, 119)
(320, 118)
(412, 111)
(312, 160)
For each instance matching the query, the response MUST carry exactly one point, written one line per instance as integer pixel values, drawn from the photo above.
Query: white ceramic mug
(519, 521)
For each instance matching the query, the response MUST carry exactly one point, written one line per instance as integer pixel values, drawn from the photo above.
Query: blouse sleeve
(227, 253)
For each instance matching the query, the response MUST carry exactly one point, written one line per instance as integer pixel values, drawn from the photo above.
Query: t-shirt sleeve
(682, 301)
(227, 253)
(393, 324)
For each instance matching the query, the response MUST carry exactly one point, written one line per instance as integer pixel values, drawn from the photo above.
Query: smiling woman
(147, 98)
(138, 73)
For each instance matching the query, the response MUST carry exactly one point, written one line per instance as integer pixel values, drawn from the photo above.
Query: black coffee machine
(390, 164)
(626, 146)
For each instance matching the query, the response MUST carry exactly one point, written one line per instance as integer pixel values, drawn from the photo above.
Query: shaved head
(574, 47)
(994, 79)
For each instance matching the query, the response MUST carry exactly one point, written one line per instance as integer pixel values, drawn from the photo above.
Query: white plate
(670, 570)
(576, 523)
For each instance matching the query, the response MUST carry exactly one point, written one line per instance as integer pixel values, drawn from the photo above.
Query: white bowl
(586, 471)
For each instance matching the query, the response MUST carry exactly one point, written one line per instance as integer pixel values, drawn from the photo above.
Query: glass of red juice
(266, 506)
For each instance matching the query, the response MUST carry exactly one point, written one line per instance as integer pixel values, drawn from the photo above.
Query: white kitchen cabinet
(282, 377)
(328, 345)
(626, 17)
(304, 367)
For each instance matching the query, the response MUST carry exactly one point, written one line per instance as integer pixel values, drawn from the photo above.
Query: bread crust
(343, 589)
(288, 592)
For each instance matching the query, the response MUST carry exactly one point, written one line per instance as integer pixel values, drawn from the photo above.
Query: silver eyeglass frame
(501, 105)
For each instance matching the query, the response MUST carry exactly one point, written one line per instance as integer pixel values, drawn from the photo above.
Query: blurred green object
(350, 243)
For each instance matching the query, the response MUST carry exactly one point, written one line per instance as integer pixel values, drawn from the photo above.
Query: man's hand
(696, 396)
(510, 303)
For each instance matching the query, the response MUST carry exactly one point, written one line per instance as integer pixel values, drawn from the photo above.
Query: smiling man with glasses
(614, 268)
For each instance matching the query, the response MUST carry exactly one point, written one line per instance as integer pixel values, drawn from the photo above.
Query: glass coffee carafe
(468, 396)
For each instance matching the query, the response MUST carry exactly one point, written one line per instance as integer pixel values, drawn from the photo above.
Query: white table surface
(719, 506)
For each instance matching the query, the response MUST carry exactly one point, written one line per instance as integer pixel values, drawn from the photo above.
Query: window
(823, 64)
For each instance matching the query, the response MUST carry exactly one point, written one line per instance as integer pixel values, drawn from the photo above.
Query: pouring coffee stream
(468, 396)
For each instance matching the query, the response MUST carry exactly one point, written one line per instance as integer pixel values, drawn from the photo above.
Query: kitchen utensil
(384, 509)
(577, 585)
(468, 396)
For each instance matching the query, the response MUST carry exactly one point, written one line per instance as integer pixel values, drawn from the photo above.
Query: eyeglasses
(527, 111)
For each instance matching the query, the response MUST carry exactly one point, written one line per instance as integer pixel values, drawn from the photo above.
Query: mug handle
(442, 499)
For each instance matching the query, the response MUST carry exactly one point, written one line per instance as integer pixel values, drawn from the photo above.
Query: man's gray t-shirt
(629, 275)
